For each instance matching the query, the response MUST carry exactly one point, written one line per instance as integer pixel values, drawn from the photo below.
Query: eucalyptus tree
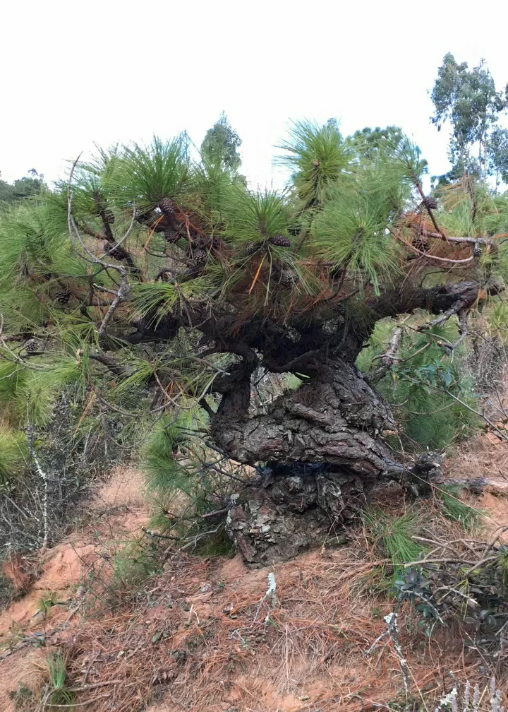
(468, 100)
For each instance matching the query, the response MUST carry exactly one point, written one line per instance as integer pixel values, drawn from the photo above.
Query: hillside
(202, 632)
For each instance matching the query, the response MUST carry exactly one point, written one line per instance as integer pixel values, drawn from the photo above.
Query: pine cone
(287, 278)
(115, 253)
(171, 236)
(254, 247)
(421, 243)
(389, 569)
(167, 208)
(430, 202)
(199, 257)
(280, 241)
(477, 250)
(33, 346)
(63, 296)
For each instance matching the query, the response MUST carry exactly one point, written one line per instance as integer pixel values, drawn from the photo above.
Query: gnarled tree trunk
(322, 452)
(333, 418)
(319, 450)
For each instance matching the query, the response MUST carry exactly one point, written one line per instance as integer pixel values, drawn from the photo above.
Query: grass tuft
(58, 694)
(134, 563)
(47, 601)
(456, 510)
(394, 535)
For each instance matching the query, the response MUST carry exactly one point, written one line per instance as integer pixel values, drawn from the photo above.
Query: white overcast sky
(76, 72)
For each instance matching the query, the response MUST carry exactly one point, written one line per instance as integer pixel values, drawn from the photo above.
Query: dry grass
(484, 456)
(23, 670)
(201, 636)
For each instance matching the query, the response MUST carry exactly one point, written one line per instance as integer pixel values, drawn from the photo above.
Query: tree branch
(463, 329)
(428, 256)
(122, 293)
(430, 211)
(387, 359)
(109, 362)
(461, 240)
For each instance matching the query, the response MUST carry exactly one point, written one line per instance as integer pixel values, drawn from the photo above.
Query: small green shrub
(456, 591)
(22, 698)
(47, 601)
(178, 462)
(13, 454)
(164, 473)
(134, 563)
(419, 385)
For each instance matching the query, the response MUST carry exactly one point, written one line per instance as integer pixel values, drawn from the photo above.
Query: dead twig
(121, 295)
(72, 705)
(152, 533)
(387, 359)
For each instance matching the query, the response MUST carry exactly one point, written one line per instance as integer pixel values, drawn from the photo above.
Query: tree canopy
(469, 101)
(221, 144)
(143, 244)
(181, 233)
(21, 188)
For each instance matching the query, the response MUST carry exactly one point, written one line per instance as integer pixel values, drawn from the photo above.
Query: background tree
(370, 144)
(163, 290)
(497, 155)
(22, 187)
(469, 101)
(220, 145)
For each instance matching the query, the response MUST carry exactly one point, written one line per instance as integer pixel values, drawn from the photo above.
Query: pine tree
(151, 277)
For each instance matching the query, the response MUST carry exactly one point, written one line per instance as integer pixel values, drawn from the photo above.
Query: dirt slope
(116, 512)
(204, 634)
(485, 457)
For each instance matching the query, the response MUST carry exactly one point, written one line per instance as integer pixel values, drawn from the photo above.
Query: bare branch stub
(121, 296)
(389, 357)
(429, 209)
(463, 329)
(108, 361)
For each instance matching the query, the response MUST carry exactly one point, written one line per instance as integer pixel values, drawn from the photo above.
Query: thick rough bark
(320, 454)
(297, 507)
(335, 418)
(277, 521)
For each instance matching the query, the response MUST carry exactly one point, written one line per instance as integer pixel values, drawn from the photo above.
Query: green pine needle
(394, 535)
(147, 174)
(317, 155)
